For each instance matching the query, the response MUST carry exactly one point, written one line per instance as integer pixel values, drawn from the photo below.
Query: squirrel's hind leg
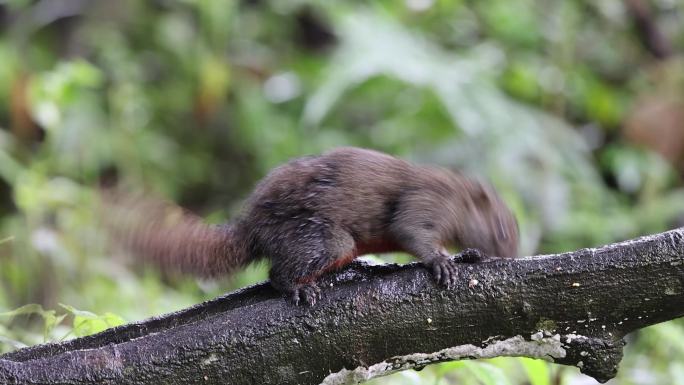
(302, 257)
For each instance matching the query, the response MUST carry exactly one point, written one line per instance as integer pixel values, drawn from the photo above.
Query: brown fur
(316, 214)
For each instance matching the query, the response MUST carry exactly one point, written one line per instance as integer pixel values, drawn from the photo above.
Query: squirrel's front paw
(308, 293)
(470, 256)
(444, 271)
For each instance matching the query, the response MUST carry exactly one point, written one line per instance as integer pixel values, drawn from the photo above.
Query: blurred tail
(172, 238)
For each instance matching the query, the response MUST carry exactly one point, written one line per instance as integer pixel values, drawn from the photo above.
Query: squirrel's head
(489, 225)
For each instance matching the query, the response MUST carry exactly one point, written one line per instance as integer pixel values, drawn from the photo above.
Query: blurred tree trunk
(647, 29)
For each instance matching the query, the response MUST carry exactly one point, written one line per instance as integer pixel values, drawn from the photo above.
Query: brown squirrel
(315, 214)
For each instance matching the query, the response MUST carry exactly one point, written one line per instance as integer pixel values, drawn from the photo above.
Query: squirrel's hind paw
(307, 293)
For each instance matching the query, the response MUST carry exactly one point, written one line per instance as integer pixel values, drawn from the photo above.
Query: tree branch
(571, 308)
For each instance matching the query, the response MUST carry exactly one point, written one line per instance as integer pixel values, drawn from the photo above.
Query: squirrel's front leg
(444, 267)
(426, 246)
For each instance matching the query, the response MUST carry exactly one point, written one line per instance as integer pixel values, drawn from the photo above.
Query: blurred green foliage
(199, 99)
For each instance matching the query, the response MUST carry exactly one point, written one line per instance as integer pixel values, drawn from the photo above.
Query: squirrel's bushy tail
(171, 237)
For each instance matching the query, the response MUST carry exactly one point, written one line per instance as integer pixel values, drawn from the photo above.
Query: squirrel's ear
(480, 193)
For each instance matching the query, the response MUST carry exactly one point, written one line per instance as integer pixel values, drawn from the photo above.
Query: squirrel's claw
(444, 271)
(308, 293)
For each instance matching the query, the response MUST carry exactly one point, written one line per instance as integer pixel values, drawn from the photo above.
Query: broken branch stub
(571, 308)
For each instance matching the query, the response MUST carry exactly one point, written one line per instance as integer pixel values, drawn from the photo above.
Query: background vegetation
(575, 110)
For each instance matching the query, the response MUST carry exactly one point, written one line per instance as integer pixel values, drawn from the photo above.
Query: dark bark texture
(571, 308)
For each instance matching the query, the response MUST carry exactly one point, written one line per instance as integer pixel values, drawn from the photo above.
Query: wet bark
(571, 308)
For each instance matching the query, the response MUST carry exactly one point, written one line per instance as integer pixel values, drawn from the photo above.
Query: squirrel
(315, 214)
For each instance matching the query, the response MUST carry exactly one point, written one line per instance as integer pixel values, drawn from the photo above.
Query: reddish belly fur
(379, 245)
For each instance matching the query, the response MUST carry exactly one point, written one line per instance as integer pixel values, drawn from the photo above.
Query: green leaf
(537, 371)
(50, 319)
(13, 343)
(78, 313)
(447, 367)
(9, 168)
(86, 326)
(112, 319)
(486, 373)
(87, 323)
(32, 308)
